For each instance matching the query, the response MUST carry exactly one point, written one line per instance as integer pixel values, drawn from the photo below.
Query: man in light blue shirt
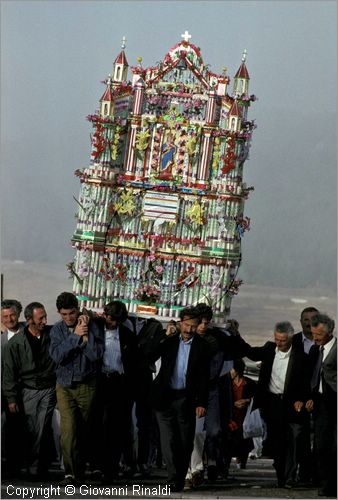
(180, 393)
(180, 370)
(113, 437)
(112, 361)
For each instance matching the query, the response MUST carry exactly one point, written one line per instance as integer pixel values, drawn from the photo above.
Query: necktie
(316, 372)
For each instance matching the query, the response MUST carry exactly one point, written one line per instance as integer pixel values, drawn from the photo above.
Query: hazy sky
(54, 55)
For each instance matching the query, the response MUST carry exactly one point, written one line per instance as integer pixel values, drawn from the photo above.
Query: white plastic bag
(253, 425)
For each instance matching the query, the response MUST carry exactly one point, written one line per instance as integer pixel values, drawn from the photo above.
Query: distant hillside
(257, 308)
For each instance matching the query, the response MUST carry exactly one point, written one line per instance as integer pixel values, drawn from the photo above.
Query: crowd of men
(98, 375)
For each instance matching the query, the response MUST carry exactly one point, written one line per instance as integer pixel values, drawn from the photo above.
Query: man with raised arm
(77, 344)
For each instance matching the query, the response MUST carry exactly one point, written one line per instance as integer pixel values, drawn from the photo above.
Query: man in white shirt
(283, 387)
(10, 324)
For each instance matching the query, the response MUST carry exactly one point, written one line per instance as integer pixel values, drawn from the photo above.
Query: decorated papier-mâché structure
(160, 212)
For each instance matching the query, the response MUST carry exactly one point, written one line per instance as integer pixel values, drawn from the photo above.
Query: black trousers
(325, 436)
(14, 438)
(282, 437)
(177, 431)
(216, 424)
(304, 453)
(144, 415)
(113, 433)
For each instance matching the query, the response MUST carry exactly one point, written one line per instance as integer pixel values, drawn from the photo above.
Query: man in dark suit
(180, 393)
(304, 339)
(305, 455)
(10, 326)
(148, 332)
(283, 388)
(323, 403)
(113, 432)
(224, 346)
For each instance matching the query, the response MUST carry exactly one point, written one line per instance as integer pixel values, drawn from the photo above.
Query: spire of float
(242, 71)
(120, 66)
(241, 79)
(106, 101)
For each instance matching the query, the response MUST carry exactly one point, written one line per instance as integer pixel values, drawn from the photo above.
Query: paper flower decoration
(142, 140)
(195, 214)
(126, 204)
(148, 293)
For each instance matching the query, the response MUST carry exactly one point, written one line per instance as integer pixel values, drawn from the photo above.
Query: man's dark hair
(204, 311)
(29, 309)
(66, 300)
(9, 303)
(309, 309)
(323, 319)
(116, 310)
(239, 366)
(189, 312)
